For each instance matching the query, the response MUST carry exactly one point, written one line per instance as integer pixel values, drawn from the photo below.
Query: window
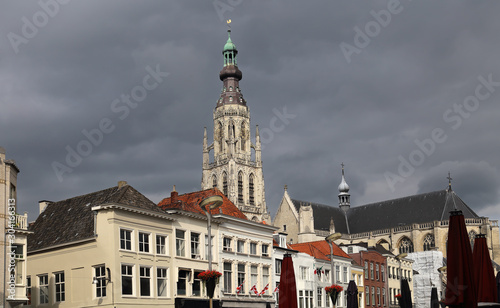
(161, 245)
(182, 282)
(214, 181)
(253, 248)
(28, 289)
(265, 278)
(196, 288)
(251, 190)
(195, 245)
(253, 275)
(304, 273)
(429, 242)
(345, 274)
(228, 277)
(143, 242)
(377, 271)
(43, 283)
(100, 276)
(240, 187)
(349, 249)
(284, 227)
(337, 273)
(406, 246)
(278, 266)
(145, 280)
(306, 299)
(224, 182)
(319, 299)
(383, 297)
(327, 275)
(371, 271)
(378, 296)
(265, 250)
(367, 296)
(180, 242)
(277, 293)
(382, 271)
(161, 282)
(241, 277)
(125, 239)
(366, 270)
(373, 296)
(241, 246)
(226, 244)
(472, 238)
(127, 280)
(301, 299)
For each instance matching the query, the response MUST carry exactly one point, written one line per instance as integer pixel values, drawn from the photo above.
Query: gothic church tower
(233, 170)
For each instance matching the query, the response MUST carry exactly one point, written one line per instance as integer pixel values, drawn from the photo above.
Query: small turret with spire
(344, 196)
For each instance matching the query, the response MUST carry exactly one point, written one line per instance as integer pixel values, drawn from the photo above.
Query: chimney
(173, 196)
(122, 183)
(43, 205)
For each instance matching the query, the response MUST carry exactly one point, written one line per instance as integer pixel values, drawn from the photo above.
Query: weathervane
(449, 179)
(228, 23)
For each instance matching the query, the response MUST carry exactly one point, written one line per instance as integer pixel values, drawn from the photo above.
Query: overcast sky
(401, 92)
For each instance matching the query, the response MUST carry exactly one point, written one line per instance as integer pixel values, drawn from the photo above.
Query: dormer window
(230, 88)
(230, 98)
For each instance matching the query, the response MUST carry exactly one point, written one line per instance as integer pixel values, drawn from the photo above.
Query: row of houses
(117, 248)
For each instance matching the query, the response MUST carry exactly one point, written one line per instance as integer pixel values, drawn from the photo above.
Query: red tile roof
(319, 250)
(191, 202)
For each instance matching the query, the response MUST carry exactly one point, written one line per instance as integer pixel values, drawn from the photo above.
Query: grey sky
(415, 75)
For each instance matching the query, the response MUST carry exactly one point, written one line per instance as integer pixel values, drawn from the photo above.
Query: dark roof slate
(72, 219)
(421, 208)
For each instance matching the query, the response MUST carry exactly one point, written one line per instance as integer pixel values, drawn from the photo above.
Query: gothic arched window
(240, 187)
(219, 135)
(251, 189)
(429, 242)
(406, 246)
(224, 183)
(214, 181)
(243, 136)
(472, 237)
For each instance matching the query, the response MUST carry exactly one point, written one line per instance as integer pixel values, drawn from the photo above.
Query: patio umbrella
(352, 295)
(484, 278)
(288, 289)
(434, 298)
(405, 301)
(460, 288)
(498, 287)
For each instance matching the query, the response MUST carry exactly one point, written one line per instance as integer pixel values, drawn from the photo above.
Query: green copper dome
(229, 44)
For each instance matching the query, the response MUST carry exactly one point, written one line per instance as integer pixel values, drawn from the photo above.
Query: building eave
(132, 209)
(53, 247)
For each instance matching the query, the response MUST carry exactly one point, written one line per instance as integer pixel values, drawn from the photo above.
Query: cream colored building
(13, 265)
(397, 270)
(111, 248)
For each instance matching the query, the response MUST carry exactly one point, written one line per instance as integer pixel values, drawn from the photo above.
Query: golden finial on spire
(228, 23)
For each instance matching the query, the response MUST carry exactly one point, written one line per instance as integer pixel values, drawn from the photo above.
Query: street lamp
(207, 204)
(330, 239)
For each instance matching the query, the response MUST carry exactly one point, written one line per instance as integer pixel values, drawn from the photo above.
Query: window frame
(163, 279)
(145, 241)
(127, 276)
(100, 276)
(195, 245)
(145, 276)
(43, 286)
(124, 241)
(182, 241)
(160, 245)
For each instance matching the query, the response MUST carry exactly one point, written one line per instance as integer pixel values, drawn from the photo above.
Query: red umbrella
(484, 277)
(460, 288)
(288, 289)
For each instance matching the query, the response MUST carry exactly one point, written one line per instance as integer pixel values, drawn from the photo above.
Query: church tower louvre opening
(236, 165)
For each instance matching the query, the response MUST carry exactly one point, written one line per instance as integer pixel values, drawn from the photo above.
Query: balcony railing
(20, 222)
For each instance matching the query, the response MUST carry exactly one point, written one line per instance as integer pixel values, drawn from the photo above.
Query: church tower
(236, 169)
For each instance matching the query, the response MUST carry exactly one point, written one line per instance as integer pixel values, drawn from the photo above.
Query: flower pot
(211, 283)
(334, 295)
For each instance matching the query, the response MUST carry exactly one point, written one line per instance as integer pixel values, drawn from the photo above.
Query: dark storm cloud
(367, 113)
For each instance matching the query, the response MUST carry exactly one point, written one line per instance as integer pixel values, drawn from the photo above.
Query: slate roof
(72, 219)
(319, 250)
(422, 208)
(190, 202)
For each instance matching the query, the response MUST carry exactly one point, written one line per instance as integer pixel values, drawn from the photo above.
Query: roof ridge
(85, 195)
(400, 198)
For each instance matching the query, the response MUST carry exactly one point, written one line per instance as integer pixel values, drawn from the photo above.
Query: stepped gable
(319, 250)
(190, 202)
(323, 214)
(72, 220)
(422, 208)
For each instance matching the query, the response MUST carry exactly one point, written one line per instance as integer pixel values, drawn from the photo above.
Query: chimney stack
(42, 205)
(173, 196)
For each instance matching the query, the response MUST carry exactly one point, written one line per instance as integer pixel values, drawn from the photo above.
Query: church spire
(344, 196)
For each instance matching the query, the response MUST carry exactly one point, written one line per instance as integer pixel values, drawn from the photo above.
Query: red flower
(334, 288)
(207, 275)
(397, 295)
